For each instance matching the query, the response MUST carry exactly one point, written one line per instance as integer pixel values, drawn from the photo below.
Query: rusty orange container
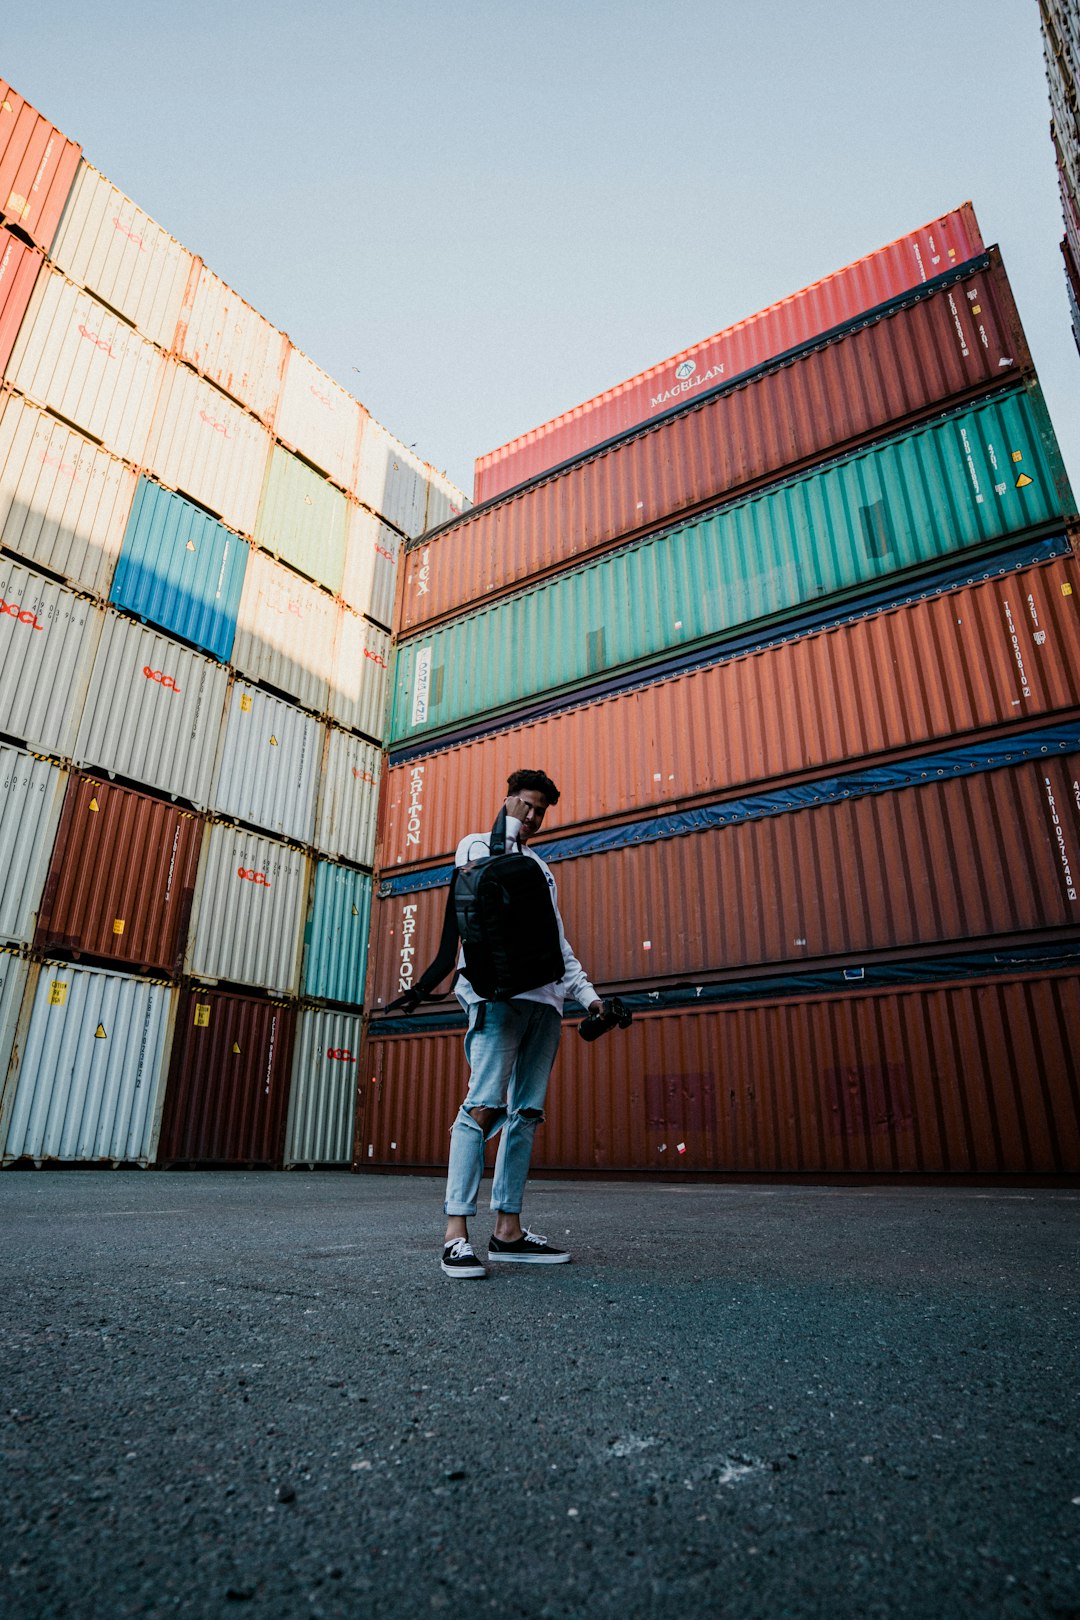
(935, 852)
(122, 877)
(37, 168)
(980, 1076)
(986, 655)
(228, 1085)
(944, 346)
(19, 267)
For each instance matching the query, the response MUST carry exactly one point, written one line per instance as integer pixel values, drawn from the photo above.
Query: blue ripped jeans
(510, 1057)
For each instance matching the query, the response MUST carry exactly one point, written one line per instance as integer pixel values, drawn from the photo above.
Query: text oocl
(249, 874)
(161, 678)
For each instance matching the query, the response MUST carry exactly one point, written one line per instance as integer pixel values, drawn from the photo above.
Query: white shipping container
(285, 632)
(372, 550)
(153, 711)
(268, 764)
(444, 499)
(359, 674)
(247, 924)
(31, 800)
(85, 363)
(232, 344)
(13, 973)
(322, 1097)
(64, 502)
(48, 638)
(391, 479)
(110, 247)
(319, 419)
(204, 446)
(87, 1080)
(349, 798)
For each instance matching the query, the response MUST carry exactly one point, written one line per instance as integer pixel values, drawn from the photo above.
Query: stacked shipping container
(793, 621)
(1061, 49)
(200, 533)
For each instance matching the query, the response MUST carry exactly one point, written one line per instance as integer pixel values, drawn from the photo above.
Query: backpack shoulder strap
(445, 958)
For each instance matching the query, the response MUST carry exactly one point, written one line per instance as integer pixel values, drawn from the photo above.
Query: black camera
(612, 1012)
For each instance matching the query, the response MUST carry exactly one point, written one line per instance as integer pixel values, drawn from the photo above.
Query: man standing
(510, 1047)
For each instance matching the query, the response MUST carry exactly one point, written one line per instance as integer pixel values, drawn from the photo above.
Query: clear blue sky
(477, 213)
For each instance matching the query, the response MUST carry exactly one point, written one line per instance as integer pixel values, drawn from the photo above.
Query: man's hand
(595, 1007)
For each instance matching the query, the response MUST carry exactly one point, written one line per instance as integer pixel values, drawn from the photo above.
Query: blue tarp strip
(833, 981)
(969, 760)
(886, 598)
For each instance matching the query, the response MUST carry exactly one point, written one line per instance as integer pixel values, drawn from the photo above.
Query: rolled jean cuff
(465, 1213)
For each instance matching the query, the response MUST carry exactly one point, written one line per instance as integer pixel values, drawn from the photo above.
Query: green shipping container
(968, 479)
(301, 520)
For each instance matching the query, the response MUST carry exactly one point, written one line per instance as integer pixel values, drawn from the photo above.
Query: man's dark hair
(533, 782)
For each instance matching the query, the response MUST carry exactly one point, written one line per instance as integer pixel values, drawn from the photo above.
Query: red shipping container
(122, 877)
(1004, 650)
(991, 856)
(37, 168)
(862, 285)
(942, 347)
(979, 1076)
(228, 1081)
(19, 267)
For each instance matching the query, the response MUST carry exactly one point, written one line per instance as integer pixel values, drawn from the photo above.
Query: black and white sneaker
(459, 1260)
(530, 1249)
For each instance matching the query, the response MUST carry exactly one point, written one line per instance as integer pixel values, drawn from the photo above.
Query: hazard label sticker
(202, 1014)
(57, 993)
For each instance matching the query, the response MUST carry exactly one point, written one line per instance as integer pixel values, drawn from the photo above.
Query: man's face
(528, 806)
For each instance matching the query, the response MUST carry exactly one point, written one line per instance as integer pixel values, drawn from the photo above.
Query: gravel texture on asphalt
(256, 1395)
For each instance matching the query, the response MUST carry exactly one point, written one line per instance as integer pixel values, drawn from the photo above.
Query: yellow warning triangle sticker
(355, 912)
(190, 546)
(236, 1049)
(273, 742)
(94, 805)
(99, 1033)
(1023, 481)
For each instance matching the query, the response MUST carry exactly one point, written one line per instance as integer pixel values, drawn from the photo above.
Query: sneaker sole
(528, 1259)
(460, 1275)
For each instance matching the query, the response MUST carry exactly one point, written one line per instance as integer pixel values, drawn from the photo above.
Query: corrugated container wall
(322, 1098)
(371, 564)
(285, 632)
(87, 1083)
(268, 766)
(348, 797)
(37, 167)
(391, 479)
(232, 344)
(871, 514)
(205, 446)
(64, 502)
(108, 245)
(918, 855)
(359, 674)
(965, 1078)
(302, 520)
(122, 877)
(984, 656)
(319, 420)
(88, 365)
(885, 274)
(19, 269)
(337, 935)
(181, 569)
(31, 801)
(248, 922)
(153, 711)
(13, 972)
(938, 347)
(48, 637)
(228, 1081)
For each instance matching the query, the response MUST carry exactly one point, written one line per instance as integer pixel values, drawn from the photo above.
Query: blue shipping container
(181, 569)
(335, 942)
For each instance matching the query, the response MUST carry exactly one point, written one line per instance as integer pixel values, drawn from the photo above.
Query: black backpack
(501, 910)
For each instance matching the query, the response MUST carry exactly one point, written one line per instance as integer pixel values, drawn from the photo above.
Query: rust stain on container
(1003, 650)
(972, 857)
(944, 346)
(975, 1077)
(228, 1081)
(122, 877)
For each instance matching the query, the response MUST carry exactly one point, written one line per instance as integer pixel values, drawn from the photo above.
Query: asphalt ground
(256, 1395)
